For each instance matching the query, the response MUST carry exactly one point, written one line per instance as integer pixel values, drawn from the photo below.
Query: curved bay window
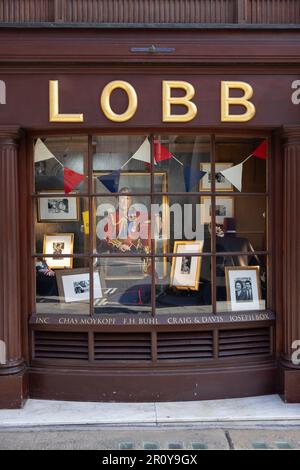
(157, 226)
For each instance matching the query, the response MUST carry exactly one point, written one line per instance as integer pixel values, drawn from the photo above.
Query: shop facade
(132, 267)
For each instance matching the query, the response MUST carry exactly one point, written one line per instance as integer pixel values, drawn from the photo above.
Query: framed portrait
(185, 271)
(136, 182)
(243, 287)
(224, 208)
(57, 208)
(59, 245)
(222, 184)
(74, 285)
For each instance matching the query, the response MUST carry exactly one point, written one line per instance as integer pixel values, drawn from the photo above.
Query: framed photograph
(59, 244)
(224, 208)
(57, 208)
(222, 184)
(185, 271)
(243, 287)
(74, 285)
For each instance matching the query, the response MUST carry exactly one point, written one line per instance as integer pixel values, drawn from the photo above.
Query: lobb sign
(140, 100)
(168, 102)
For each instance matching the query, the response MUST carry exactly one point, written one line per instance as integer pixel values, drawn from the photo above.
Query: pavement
(257, 423)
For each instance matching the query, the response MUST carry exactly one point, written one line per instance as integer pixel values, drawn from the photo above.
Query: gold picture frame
(71, 199)
(58, 261)
(241, 299)
(186, 269)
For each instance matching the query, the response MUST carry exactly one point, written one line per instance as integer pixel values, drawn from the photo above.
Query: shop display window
(150, 224)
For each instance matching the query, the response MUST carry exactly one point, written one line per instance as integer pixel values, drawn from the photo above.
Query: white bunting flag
(234, 175)
(143, 153)
(41, 152)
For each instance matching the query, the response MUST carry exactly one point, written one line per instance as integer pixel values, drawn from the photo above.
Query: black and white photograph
(222, 184)
(80, 287)
(224, 208)
(59, 245)
(186, 265)
(185, 270)
(243, 287)
(74, 285)
(57, 209)
(58, 206)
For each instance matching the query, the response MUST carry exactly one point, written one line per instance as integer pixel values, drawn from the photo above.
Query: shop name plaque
(136, 320)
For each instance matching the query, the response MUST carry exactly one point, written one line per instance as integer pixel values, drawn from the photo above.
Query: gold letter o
(132, 101)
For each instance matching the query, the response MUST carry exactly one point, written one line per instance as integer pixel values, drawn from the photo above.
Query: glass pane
(126, 285)
(61, 224)
(180, 218)
(129, 155)
(182, 158)
(62, 290)
(241, 286)
(233, 151)
(185, 287)
(241, 224)
(61, 162)
(122, 224)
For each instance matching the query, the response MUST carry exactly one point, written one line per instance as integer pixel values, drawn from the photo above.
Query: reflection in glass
(233, 151)
(67, 152)
(181, 156)
(242, 225)
(186, 288)
(62, 290)
(127, 285)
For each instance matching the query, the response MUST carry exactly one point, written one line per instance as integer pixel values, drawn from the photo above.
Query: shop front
(149, 235)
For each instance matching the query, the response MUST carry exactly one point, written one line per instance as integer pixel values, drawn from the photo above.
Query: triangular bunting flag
(192, 176)
(71, 179)
(111, 181)
(261, 151)
(41, 152)
(161, 152)
(143, 154)
(234, 175)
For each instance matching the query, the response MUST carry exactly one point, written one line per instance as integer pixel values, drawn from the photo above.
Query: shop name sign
(169, 98)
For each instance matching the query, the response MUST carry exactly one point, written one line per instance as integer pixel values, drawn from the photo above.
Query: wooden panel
(273, 11)
(150, 11)
(60, 345)
(20, 11)
(122, 347)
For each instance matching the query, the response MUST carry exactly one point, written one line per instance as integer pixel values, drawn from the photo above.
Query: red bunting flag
(261, 151)
(161, 152)
(71, 179)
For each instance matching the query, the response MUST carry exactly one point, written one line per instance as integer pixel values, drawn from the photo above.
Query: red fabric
(71, 179)
(261, 151)
(161, 152)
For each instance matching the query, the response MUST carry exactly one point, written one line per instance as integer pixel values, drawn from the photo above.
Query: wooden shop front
(149, 225)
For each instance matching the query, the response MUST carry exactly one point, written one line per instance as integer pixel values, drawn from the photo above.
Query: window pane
(241, 286)
(182, 157)
(125, 285)
(233, 151)
(61, 224)
(62, 291)
(128, 154)
(183, 283)
(180, 218)
(122, 224)
(241, 223)
(61, 162)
